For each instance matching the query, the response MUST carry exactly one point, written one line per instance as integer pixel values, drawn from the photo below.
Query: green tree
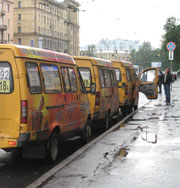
(143, 56)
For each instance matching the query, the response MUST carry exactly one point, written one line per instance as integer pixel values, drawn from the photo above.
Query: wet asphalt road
(19, 173)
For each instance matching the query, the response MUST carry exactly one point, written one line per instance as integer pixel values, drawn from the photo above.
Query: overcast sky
(127, 19)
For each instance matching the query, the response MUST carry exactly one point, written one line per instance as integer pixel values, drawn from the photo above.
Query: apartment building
(45, 24)
(6, 21)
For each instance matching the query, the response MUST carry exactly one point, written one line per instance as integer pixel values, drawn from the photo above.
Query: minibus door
(9, 97)
(148, 80)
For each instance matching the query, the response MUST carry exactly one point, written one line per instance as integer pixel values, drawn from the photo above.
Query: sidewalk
(145, 153)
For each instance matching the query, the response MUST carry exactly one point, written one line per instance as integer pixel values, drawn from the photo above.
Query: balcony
(3, 27)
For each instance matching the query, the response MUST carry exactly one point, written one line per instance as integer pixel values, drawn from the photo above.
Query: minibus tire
(86, 133)
(107, 122)
(53, 144)
(135, 107)
(124, 111)
(129, 109)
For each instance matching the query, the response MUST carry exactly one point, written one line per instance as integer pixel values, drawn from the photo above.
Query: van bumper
(9, 143)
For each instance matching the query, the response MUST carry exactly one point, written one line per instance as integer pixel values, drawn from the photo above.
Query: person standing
(160, 79)
(167, 84)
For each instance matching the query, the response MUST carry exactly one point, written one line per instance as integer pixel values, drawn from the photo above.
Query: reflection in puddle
(149, 137)
(122, 153)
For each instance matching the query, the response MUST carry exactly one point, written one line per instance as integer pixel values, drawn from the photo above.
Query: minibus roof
(96, 61)
(37, 53)
(124, 63)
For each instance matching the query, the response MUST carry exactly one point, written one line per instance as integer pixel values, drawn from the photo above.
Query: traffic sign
(171, 46)
(171, 55)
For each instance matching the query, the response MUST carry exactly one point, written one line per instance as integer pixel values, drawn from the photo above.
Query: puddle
(149, 137)
(122, 153)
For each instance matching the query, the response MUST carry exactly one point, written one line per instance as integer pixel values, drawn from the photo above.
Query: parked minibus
(42, 99)
(128, 85)
(101, 84)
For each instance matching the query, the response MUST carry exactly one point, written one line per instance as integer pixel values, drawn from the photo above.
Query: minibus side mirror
(93, 88)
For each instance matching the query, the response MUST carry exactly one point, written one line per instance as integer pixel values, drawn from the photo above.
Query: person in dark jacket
(167, 84)
(160, 79)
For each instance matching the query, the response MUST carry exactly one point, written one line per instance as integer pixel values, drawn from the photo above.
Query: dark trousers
(160, 86)
(167, 92)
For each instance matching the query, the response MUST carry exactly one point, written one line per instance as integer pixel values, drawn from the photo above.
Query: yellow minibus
(101, 84)
(129, 86)
(42, 98)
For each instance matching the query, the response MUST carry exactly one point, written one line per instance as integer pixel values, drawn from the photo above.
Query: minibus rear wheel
(53, 147)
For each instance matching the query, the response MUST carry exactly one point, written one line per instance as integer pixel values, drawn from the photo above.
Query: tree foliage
(146, 55)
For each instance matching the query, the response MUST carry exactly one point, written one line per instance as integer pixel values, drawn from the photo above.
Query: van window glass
(33, 78)
(51, 78)
(101, 76)
(128, 73)
(82, 86)
(118, 75)
(73, 80)
(86, 76)
(114, 79)
(6, 79)
(66, 82)
(148, 76)
(107, 78)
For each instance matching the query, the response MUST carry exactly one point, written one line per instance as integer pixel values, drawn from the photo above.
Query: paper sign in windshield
(4, 80)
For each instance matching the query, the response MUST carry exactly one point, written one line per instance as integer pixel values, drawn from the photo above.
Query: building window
(19, 18)
(19, 29)
(8, 8)
(8, 23)
(19, 4)
(1, 6)
(19, 41)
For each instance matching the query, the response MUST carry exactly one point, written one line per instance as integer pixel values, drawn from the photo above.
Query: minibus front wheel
(53, 147)
(107, 121)
(86, 133)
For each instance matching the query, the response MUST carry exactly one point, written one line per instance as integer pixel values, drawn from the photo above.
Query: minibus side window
(114, 79)
(86, 76)
(128, 75)
(33, 78)
(67, 87)
(6, 79)
(82, 86)
(52, 83)
(101, 75)
(107, 78)
(69, 78)
(73, 80)
(118, 75)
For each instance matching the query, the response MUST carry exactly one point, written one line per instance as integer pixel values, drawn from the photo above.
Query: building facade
(6, 21)
(72, 26)
(44, 24)
(111, 49)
